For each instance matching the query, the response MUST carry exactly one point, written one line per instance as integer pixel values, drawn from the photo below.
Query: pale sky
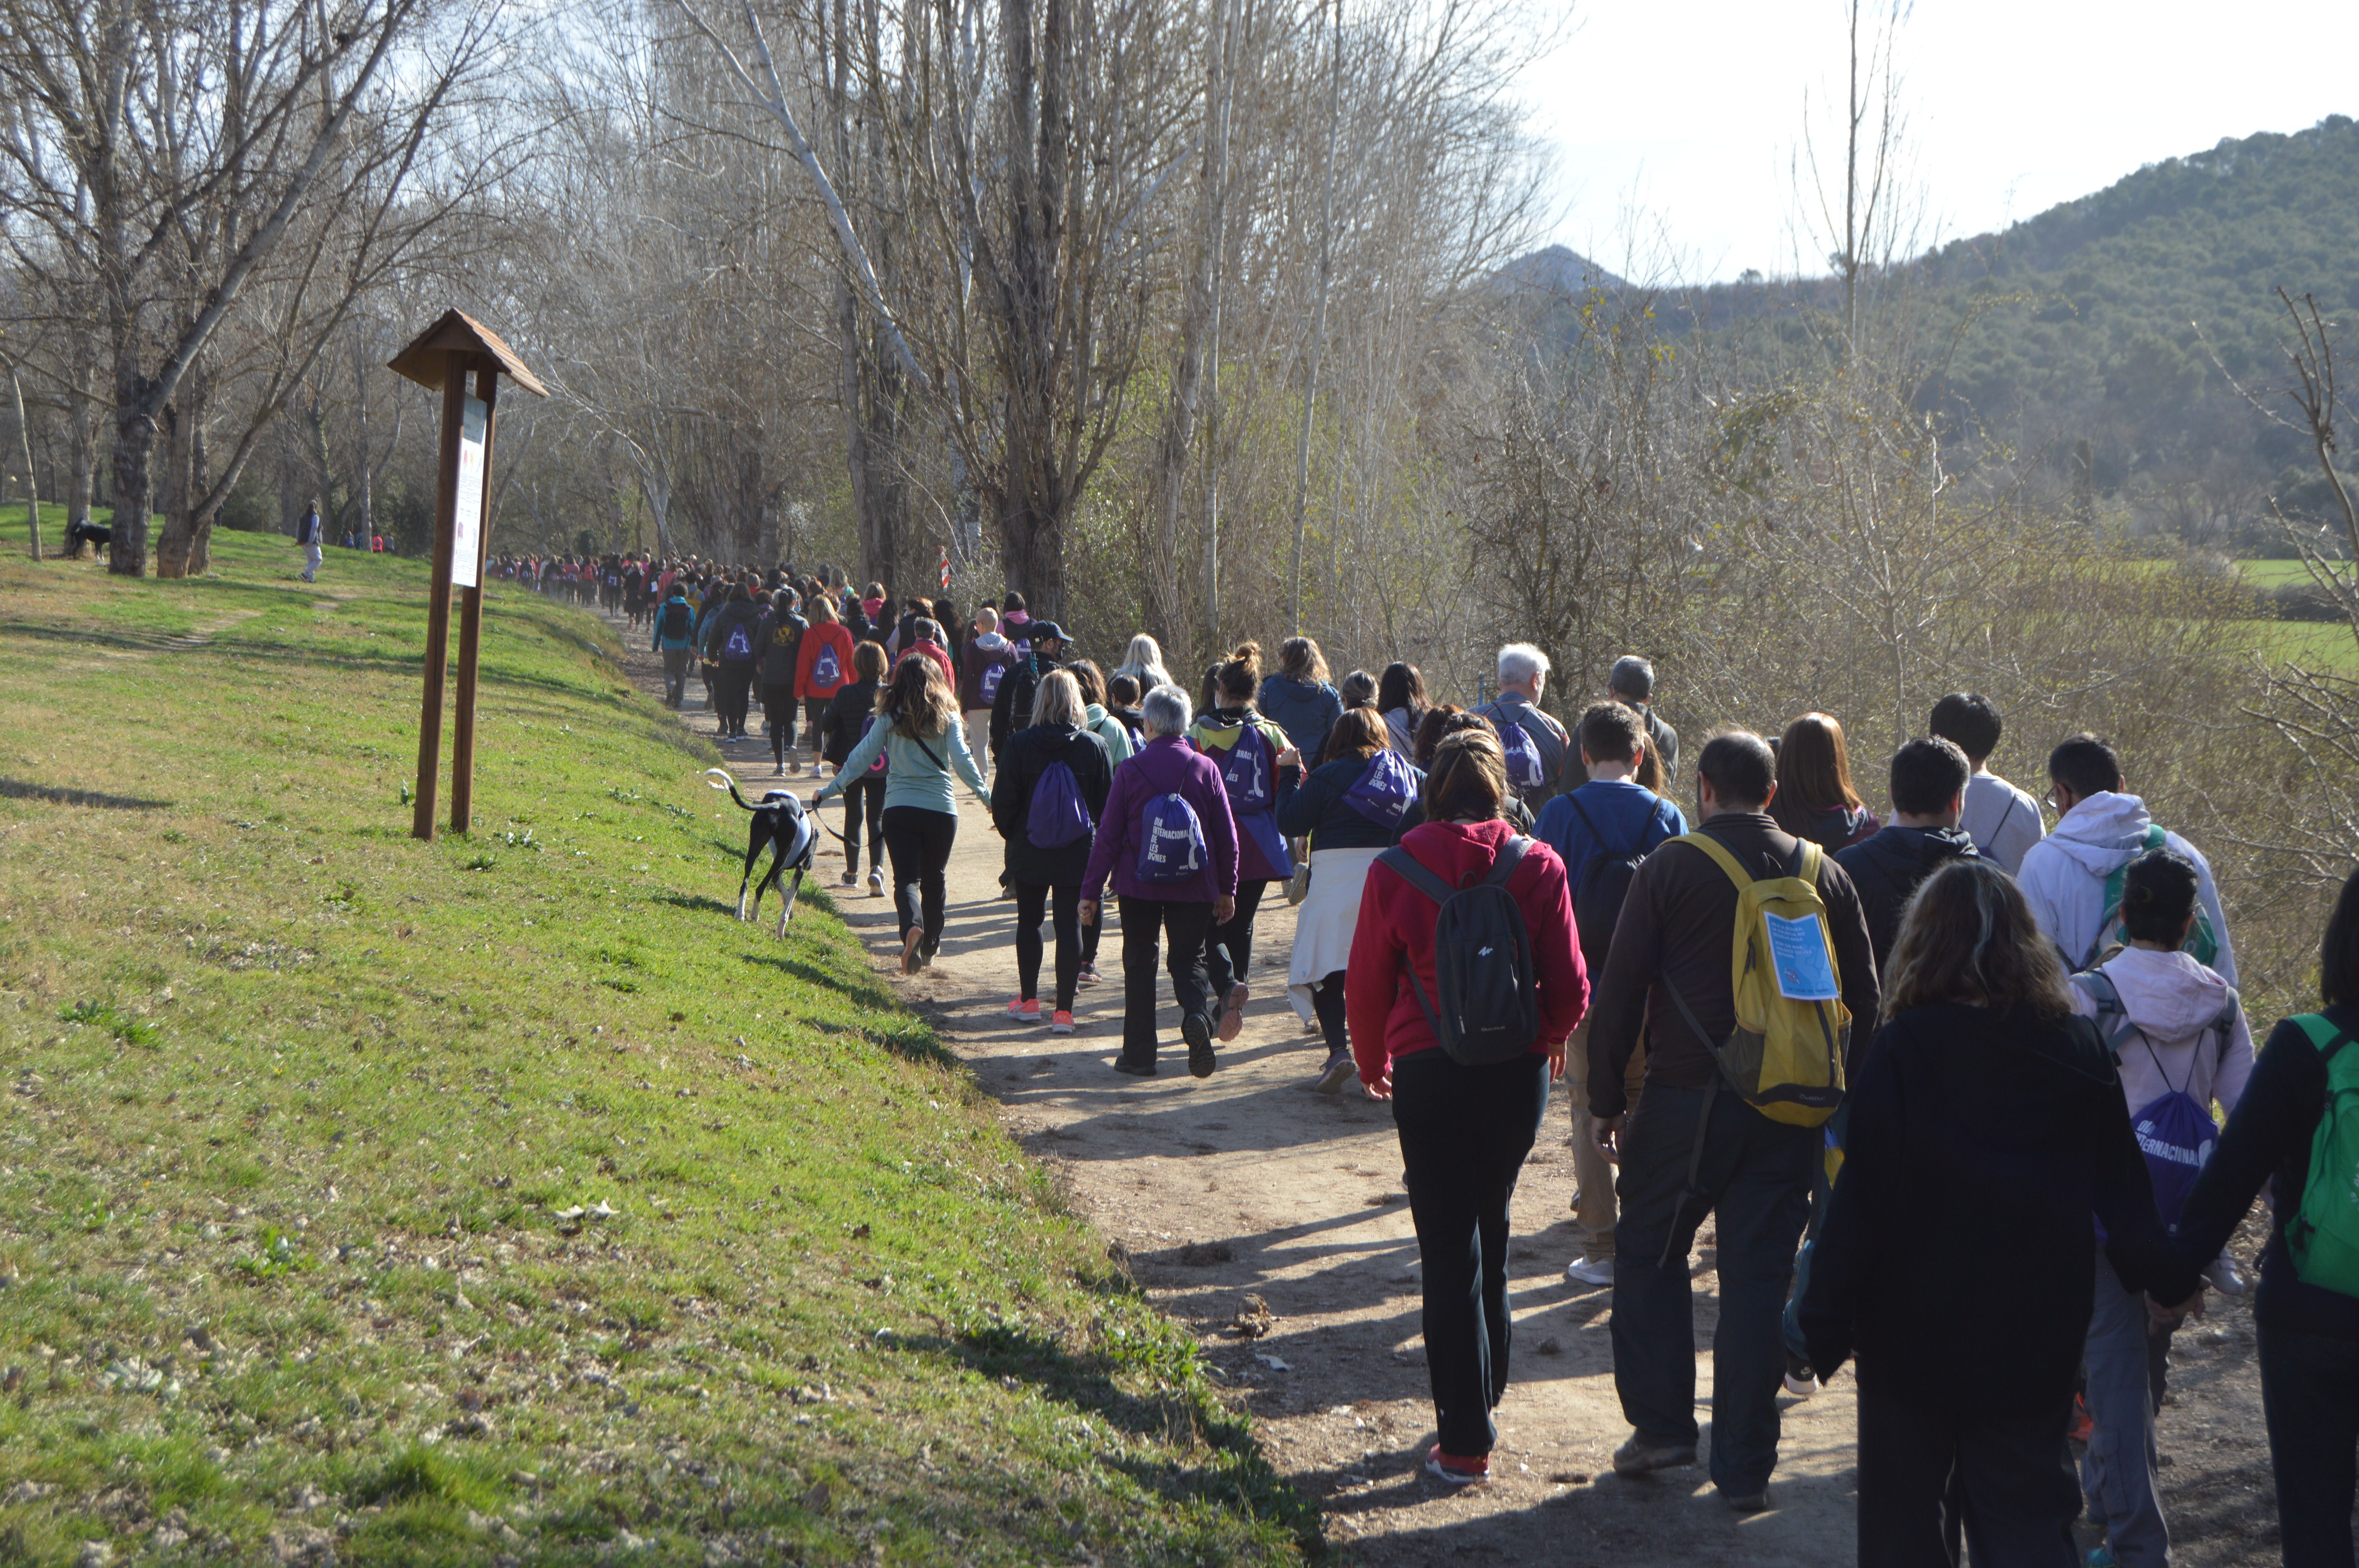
(1671, 127)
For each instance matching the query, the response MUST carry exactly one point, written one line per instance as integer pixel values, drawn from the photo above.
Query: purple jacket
(1165, 764)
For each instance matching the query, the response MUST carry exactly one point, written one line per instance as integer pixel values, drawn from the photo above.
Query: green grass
(300, 1112)
(2273, 573)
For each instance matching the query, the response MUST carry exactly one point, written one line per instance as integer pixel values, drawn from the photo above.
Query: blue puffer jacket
(1306, 711)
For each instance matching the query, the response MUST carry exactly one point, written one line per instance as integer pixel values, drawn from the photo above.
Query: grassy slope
(298, 1104)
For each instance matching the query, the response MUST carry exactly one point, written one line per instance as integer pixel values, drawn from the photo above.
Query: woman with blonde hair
(1143, 661)
(1815, 799)
(1987, 1128)
(917, 729)
(1046, 801)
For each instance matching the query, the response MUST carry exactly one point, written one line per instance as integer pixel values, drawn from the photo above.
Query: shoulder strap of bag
(1511, 855)
(1589, 822)
(2108, 998)
(928, 751)
(2323, 1032)
(1411, 870)
(1719, 856)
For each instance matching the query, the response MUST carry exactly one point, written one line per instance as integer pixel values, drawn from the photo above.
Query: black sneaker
(1197, 1030)
(1129, 1068)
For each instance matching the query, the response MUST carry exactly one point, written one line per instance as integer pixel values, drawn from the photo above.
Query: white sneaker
(2222, 1275)
(875, 884)
(1802, 1381)
(1589, 1271)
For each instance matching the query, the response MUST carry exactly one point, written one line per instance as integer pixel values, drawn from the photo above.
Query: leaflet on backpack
(1806, 971)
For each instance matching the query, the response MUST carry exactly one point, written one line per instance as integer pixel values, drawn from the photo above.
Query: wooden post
(438, 604)
(470, 612)
(439, 359)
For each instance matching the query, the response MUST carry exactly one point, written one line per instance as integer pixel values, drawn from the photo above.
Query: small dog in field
(780, 823)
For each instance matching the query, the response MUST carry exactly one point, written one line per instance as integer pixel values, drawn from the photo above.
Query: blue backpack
(1057, 814)
(1243, 772)
(1170, 840)
(1384, 790)
(1527, 769)
(826, 670)
(993, 674)
(737, 648)
(2176, 1134)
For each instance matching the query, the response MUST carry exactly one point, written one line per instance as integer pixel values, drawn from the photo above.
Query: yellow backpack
(1786, 1054)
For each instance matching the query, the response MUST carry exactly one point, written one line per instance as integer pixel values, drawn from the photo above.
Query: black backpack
(1605, 883)
(1489, 1007)
(676, 618)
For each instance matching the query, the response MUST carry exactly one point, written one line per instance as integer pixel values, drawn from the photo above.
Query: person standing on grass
(1244, 746)
(1692, 1151)
(1815, 797)
(841, 723)
(1536, 746)
(917, 730)
(1602, 831)
(2293, 1129)
(1046, 800)
(823, 667)
(1349, 808)
(2179, 1042)
(981, 666)
(1987, 1129)
(308, 534)
(674, 639)
(2072, 877)
(2004, 821)
(1169, 845)
(1464, 1129)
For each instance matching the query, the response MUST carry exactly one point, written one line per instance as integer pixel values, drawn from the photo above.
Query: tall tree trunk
(32, 479)
(364, 486)
(185, 547)
(81, 447)
(1318, 323)
(135, 428)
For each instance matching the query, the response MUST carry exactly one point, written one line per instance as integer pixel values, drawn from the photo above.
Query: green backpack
(2203, 943)
(2324, 1237)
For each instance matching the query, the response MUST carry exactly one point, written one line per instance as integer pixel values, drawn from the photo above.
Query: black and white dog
(779, 822)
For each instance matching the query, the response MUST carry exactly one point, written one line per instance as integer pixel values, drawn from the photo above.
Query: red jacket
(1396, 930)
(942, 656)
(825, 634)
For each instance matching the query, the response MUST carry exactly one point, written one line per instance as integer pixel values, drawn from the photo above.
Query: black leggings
(863, 797)
(1234, 934)
(732, 687)
(1327, 1004)
(1032, 904)
(778, 704)
(919, 841)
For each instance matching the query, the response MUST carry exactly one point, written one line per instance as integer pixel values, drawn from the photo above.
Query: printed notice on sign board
(467, 525)
(1799, 948)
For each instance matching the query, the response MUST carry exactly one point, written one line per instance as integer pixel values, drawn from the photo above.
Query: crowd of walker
(1899, 1062)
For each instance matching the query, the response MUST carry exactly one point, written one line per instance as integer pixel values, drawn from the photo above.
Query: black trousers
(778, 705)
(1926, 1476)
(864, 798)
(919, 842)
(2310, 1395)
(1143, 920)
(1228, 948)
(1464, 1132)
(1327, 1006)
(1032, 906)
(732, 689)
(814, 709)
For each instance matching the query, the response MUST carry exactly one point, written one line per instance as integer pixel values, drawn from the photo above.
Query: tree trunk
(32, 480)
(82, 449)
(135, 429)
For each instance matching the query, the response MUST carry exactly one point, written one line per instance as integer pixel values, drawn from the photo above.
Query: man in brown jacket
(1689, 1153)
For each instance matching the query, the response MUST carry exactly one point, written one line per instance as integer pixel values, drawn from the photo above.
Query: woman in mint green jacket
(917, 727)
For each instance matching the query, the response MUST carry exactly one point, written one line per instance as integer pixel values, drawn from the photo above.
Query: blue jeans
(1755, 1178)
(1464, 1132)
(2310, 1395)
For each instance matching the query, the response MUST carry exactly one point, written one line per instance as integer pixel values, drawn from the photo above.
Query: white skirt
(1324, 923)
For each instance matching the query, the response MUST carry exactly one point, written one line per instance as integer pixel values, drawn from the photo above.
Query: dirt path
(1248, 1183)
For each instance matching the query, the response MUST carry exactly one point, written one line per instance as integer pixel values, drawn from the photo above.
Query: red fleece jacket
(1396, 930)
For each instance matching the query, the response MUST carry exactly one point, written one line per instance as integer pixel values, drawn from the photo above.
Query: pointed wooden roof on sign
(429, 355)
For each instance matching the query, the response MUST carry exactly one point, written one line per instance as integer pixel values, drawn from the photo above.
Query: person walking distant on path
(847, 717)
(1536, 746)
(1693, 1150)
(1631, 683)
(1603, 830)
(1169, 845)
(982, 664)
(822, 667)
(1459, 1011)
(674, 639)
(1298, 698)
(1987, 1129)
(2073, 877)
(2004, 821)
(1245, 744)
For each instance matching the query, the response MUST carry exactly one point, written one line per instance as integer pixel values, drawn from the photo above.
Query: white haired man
(1535, 744)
